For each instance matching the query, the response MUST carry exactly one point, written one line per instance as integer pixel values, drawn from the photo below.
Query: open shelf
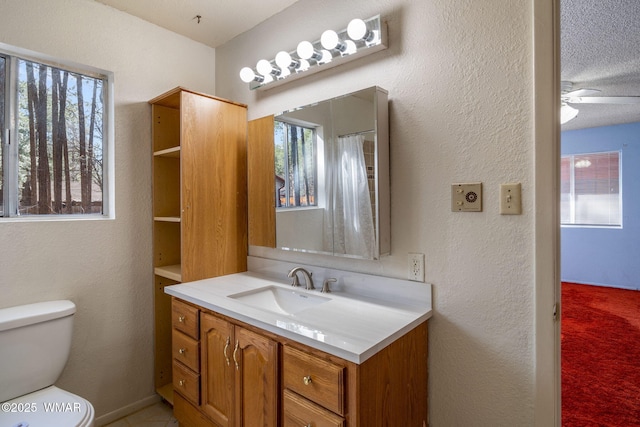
(169, 152)
(173, 272)
(166, 392)
(167, 218)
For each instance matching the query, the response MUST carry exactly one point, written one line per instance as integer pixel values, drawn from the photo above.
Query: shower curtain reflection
(349, 227)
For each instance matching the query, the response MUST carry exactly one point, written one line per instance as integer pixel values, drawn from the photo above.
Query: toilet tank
(35, 341)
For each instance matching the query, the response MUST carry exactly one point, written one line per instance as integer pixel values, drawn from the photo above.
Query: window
(590, 189)
(54, 140)
(296, 165)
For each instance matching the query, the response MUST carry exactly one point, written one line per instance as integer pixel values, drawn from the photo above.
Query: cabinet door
(217, 369)
(214, 187)
(256, 360)
(261, 183)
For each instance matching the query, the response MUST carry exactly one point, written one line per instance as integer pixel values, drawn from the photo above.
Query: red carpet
(600, 356)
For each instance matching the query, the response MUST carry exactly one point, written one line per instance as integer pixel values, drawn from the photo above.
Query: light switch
(466, 197)
(511, 199)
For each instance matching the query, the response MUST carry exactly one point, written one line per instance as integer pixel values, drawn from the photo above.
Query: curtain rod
(362, 132)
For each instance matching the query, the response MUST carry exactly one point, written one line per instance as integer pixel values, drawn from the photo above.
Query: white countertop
(362, 316)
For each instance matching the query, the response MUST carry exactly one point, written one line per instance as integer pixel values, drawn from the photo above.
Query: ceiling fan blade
(604, 100)
(580, 93)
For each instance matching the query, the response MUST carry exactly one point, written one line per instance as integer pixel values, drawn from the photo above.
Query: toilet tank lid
(23, 315)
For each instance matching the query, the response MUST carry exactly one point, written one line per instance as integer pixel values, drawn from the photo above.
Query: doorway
(598, 57)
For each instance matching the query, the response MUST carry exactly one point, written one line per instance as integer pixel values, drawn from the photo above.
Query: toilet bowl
(49, 407)
(35, 341)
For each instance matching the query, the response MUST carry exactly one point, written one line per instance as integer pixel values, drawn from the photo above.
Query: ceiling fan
(584, 96)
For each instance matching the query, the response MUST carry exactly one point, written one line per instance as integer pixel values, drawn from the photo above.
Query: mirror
(319, 177)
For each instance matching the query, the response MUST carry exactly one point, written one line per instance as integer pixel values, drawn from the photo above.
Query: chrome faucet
(307, 278)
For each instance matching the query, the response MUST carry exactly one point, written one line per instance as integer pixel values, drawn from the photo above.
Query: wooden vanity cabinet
(248, 377)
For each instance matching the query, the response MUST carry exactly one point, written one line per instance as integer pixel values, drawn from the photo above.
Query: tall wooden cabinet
(199, 201)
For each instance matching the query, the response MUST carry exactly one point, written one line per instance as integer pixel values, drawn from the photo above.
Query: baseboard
(126, 410)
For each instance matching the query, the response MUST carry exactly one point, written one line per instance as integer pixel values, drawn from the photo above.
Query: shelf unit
(199, 201)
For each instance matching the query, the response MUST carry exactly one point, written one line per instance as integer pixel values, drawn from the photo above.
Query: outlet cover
(415, 270)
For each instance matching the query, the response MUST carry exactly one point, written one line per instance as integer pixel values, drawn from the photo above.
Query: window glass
(295, 164)
(60, 141)
(590, 189)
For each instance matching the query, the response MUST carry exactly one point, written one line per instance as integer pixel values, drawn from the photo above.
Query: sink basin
(279, 300)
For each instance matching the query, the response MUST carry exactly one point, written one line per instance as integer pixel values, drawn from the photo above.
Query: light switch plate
(511, 199)
(466, 197)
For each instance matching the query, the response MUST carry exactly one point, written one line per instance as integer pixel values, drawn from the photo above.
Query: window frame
(572, 195)
(9, 212)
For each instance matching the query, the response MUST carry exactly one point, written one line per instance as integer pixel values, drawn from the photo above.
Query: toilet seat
(49, 407)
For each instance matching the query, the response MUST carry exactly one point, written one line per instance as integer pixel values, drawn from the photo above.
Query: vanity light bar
(360, 38)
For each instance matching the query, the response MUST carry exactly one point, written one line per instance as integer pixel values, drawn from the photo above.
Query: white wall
(105, 267)
(460, 81)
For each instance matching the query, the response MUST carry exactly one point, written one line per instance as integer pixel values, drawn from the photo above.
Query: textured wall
(459, 75)
(606, 256)
(103, 266)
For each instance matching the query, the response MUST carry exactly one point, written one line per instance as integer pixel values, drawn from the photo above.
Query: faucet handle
(325, 285)
(296, 281)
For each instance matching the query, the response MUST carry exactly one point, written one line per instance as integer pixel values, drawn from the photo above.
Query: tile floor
(158, 415)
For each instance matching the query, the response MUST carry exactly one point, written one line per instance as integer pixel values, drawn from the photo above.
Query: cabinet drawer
(185, 318)
(318, 380)
(186, 382)
(186, 350)
(298, 411)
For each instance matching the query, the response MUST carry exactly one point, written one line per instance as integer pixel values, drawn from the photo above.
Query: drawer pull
(235, 360)
(307, 380)
(182, 350)
(181, 319)
(226, 347)
(181, 383)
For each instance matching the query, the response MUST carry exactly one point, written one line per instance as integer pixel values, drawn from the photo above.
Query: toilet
(35, 341)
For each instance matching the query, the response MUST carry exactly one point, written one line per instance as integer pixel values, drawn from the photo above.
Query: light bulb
(247, 75)
(350, 49)
(265, 68)
(303, 66)
(306, 50)
(325, 57)
(330, 40)
(357, 30)
(284, 60)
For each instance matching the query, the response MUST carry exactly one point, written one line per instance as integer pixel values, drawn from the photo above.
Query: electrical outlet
(416, 267)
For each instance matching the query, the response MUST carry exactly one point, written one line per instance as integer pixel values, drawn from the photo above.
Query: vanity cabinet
(199, 202)
(251, 377)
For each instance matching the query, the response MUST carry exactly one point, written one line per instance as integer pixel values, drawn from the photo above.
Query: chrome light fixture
(360, 38)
